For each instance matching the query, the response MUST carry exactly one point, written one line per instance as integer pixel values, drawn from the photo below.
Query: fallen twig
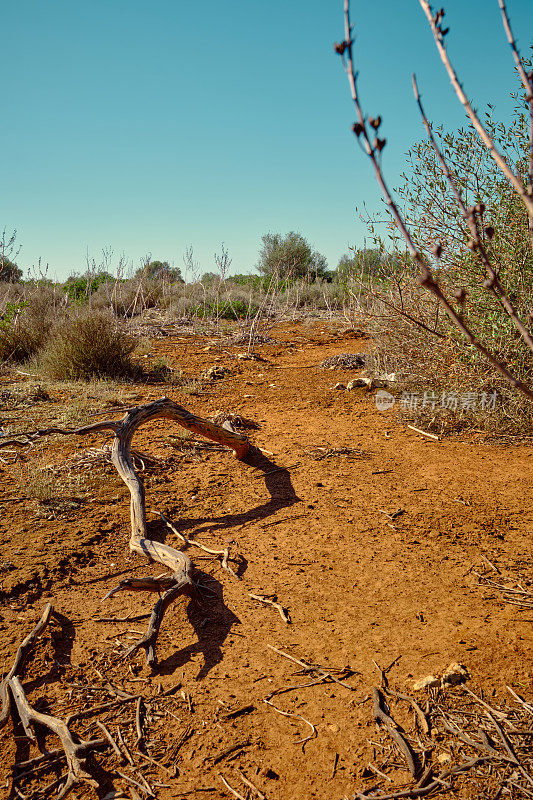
(424, 433)
(234, 792)
(382, 716)
(284, 614)
(314, 668)
(303, 741)
(250, 785)
(224, 554)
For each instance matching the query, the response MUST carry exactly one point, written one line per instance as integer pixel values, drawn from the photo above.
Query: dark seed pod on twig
(379, 144)
(444, 31)
(340, 47)
(460, 294)
(375, 122)
(489, 232)
(426, 279)
(357, 128)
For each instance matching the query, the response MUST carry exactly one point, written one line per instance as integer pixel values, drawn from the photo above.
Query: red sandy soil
(361, 583)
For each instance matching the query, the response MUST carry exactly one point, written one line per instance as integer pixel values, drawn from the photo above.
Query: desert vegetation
(465, 214)
(375, 289)
(343, 603)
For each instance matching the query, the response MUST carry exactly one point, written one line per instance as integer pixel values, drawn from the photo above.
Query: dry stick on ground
(382, 717)
(503, 752)
(14, 699)
(510, 595)
(315, 668)
(284, 614)
(250, 785)
(422, 791)
(225, 556)
(424, 433)
(421, 716)
(234, 792)
(303, 741)
(181, 582)
(324, 676)
(20, 660)
(373, 149)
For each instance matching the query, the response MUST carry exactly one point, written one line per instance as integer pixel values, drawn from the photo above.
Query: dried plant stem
(513, 179)
(373, 151)
(284, 614)
(493, 283)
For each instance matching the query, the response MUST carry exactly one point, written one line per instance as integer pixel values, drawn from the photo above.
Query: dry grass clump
(89, 346)
(129, 298)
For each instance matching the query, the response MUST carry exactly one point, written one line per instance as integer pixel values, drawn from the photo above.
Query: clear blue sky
(148, 127)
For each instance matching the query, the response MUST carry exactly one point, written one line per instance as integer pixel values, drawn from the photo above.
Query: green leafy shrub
(80, 287)
(9, 271)
(290, 256)
(89, 346)
(160, 270)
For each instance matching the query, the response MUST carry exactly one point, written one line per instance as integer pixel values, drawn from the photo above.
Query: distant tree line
(288, 256)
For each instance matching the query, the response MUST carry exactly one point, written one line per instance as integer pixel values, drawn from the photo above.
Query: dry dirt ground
(371, 535)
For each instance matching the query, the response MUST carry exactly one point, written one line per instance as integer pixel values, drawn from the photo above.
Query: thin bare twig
(513, 179)
(284, 614)
(312, 735)
(373, 149)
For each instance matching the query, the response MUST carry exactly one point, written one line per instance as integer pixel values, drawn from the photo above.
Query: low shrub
(26, 321)
(89, 346)
(128, 298)
(430, 366)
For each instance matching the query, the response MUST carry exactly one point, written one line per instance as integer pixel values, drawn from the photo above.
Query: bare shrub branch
(374, 147)
(439, 34)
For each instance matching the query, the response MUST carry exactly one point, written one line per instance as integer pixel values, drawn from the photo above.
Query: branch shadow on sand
(278, 484)
(213, 623)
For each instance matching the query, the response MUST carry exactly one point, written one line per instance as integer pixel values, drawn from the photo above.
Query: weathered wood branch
(74, 751)
(180, 565)
(20, 660)
(16, 705)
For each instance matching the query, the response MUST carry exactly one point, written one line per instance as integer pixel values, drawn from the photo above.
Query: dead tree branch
(15, 704)
(180, 582)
